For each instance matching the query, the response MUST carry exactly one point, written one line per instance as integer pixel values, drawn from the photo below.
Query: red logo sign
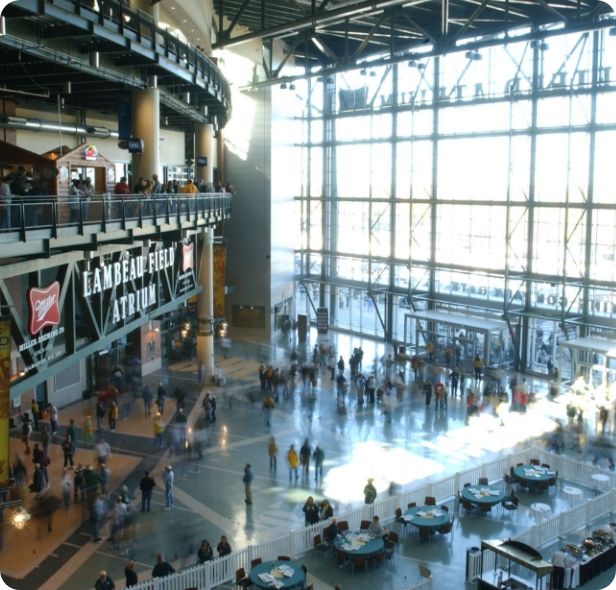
(43, 307)
(187, 257)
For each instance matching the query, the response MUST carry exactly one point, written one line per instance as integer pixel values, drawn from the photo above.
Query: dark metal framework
(511, 291)
(344, 33)
(104, 53)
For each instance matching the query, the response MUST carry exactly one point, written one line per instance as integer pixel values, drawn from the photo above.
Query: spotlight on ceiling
(413, 64)
(363, 71)
(291, 86)
(372, 73)
(473, 55)
(283, 86)
(421, 66)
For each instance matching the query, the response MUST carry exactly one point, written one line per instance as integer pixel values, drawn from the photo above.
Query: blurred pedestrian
(104, 582)
(131, 576)
(272, 451)
(247, 479)
(146, 485)
(168, 478)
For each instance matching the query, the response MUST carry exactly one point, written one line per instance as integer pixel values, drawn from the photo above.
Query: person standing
(113, 415)
(53, 418)
(454, 378)
(205, 552)
(159, 428)
(311, 512)
(318, 456)
(148, 396)
(68, 448)
(201, 373)
(223, 547)
(304, 456)
(247, 479)
(100, 415)
(162, 567)
(168, 478)
(161, 394)
(293, 461)
(34, 409)
(67, 485)
(130, 574)
(26, 431)
(146, 485)
(272, 451)
(88, 432)
(369, 492)
(104, 582)
(46, 440)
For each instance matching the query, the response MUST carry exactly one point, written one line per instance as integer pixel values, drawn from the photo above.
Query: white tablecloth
(540, 511)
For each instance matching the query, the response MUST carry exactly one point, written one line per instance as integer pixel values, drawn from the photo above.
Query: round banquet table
(373, 546)
(540, 511)
(601, 480)
(430, 517)
(572, 494)
(482, 495)
(533, 474)
(297, 580)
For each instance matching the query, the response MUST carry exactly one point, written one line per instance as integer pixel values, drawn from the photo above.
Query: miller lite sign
(187, 257)
(43, 308)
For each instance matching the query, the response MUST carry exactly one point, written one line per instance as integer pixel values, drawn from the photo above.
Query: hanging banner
(220, 273)
(5, 375)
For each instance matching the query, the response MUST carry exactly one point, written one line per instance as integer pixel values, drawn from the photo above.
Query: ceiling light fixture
(363, 71)
(283, 86)
(413, 64)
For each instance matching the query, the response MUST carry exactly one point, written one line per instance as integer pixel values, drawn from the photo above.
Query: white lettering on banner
(42, 338)
(128, 305)
(42, 306)
(109, 276)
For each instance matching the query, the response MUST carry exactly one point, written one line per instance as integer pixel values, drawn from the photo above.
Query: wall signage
(43, 308)
(90, 152)
(187, 257)
(110, 276)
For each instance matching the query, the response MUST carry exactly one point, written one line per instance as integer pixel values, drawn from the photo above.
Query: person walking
(369, 492)
(205, 552)
(46, 440)
(268, 406)
(34, 409)
(161, 394)
(100, 415)
(168, 478)
(146, 485)
(318, 457)
(311, 512)
(293, 461)
(272, 451)
(130, 574)
(162, 568)
(159, 428)
(26, 431)
(88, 432)
(247, 479)
(104, 582)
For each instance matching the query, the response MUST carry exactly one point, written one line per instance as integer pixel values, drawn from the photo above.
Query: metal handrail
(27, 213)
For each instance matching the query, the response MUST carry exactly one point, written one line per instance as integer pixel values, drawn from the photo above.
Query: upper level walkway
(32, 226)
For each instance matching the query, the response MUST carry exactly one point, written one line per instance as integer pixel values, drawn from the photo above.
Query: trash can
(473, 563)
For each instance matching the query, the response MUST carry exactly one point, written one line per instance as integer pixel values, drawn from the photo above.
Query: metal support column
(205, 304)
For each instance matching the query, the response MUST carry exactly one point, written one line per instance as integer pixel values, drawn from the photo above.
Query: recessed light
(192, 30)
(184, 21)
(172, 7)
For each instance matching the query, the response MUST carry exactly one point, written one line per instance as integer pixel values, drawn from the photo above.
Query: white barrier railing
(298, 542)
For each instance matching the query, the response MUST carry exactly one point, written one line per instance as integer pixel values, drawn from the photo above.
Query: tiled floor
(418, 445)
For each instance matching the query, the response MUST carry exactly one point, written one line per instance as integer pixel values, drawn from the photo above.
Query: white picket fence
(298, 542)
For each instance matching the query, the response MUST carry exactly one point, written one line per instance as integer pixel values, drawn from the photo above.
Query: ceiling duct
(10, 122)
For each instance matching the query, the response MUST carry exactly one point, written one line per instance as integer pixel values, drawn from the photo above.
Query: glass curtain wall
(478, 181)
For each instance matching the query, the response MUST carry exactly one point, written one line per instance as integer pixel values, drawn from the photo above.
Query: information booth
(83, 162)
(591, 359)
(501, 559)
(467, 335)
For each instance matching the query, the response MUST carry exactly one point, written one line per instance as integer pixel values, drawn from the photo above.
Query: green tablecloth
(477, 495)
(358, 543)
(427, 516)
(297, 580)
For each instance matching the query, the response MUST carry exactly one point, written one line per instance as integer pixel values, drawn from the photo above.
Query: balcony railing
(21, 216)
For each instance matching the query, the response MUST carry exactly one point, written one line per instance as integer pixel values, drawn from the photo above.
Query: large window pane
(604, 187)
(473, 168)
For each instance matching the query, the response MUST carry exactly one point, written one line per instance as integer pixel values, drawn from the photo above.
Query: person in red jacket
(121, 188)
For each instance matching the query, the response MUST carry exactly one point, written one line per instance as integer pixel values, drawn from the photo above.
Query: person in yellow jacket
(293, 461)
(159, 427)
(190, 187)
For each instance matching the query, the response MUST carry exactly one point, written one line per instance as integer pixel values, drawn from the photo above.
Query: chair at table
(390, 544)
(467, 485)
(400, 519)
(341, 558)
(363, 525)
(552, 480)
(535, 462)
(319, 545)
(343, 525)
(256, 561)
(543, 486)
(446, 528)
(411, 505)
(359, 561)
(483, 481)
(241, 580)
(430, 501)
(546, 465)
(444, 507)
(425, 533)
(509, 480)
(485, 508)
(512, 474)
(284, 558)
(378, 558)
(309, 587)
(510, 503)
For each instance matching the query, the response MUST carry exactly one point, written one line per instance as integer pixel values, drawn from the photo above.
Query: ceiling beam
(322, 18)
